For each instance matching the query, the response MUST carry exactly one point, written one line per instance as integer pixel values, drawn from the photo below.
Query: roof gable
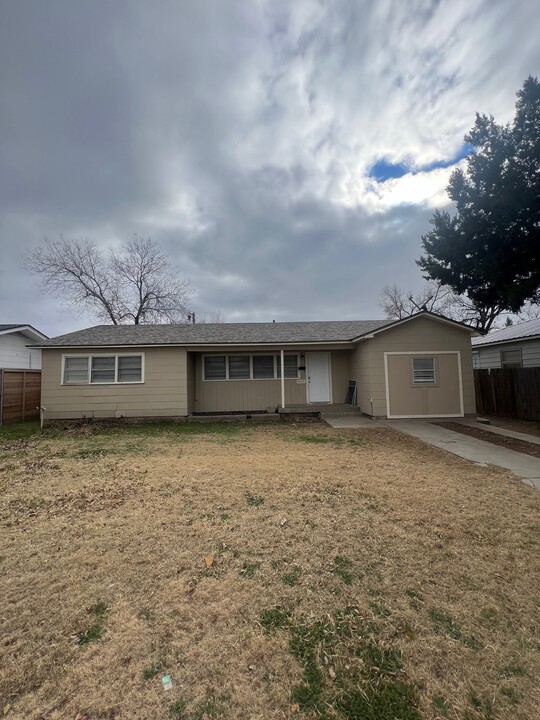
(426, 315)
(26, 330)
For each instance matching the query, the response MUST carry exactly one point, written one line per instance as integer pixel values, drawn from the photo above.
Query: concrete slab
(350, 421)
(525, 467)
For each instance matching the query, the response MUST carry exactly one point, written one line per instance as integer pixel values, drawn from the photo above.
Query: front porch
(286, 381)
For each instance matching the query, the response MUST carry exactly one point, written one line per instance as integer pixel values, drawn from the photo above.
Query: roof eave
(522, 338)
(27, 330)
(296, 343)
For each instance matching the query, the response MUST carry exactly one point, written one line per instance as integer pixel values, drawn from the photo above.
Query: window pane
(263, 367)
(102, 369)
(511, 358)
(291, 366)
(424, 370)
(76, 369)
(239, 367)
(130, 369)
(214, 367)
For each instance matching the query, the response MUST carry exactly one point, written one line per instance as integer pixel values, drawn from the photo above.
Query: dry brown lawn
(344, 566)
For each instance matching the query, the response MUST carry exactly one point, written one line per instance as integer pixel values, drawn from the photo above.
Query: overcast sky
(286, 155)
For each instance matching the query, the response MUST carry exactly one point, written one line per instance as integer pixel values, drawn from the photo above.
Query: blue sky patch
(383, 170)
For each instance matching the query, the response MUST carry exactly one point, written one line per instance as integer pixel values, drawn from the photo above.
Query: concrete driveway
(525, 467)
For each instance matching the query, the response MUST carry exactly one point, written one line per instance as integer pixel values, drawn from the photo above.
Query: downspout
(282, 379)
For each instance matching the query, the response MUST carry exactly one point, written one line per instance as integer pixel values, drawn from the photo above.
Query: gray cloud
(240, 135)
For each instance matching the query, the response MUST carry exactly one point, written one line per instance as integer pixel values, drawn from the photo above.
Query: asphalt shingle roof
(526, 329)
(217, 334)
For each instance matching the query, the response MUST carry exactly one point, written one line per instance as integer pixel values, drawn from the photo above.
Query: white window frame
(250, 355)
(416, 382)
(105, 354)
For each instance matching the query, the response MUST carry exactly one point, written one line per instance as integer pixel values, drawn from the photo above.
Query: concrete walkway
(350, 421)
(525, 467)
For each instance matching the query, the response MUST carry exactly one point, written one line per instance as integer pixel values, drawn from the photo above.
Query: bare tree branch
(133, 285)
(398, 303)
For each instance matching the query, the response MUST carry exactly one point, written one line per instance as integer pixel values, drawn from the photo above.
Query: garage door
(426, 384)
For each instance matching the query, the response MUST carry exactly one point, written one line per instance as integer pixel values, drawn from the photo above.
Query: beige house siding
(420, 334)
(340, 362)
(190, 379)
(360, 370)
(162, 394)
(253, 395)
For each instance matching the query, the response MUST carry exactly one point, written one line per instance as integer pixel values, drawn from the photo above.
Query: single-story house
(417, 367)
(14, 351)
(512, 346)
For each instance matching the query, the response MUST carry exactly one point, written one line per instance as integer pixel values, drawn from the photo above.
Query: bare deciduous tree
(135, 284)
(398, 303)
(212, 317)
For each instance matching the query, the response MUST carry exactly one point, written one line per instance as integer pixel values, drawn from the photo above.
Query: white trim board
(413, 354)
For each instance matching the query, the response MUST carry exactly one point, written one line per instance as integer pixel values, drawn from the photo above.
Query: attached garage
(418, 367)
(423, 384)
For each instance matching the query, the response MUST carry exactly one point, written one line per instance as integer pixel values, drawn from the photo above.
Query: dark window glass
(239, 367)
(263, 367)
(214, 367)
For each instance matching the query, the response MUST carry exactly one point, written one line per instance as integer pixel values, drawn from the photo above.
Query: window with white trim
(511, 358)
(102, 369)
(423, 370)
(249, 367)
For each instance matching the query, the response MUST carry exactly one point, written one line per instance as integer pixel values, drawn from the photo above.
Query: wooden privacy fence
(510, 392)
(20, 395)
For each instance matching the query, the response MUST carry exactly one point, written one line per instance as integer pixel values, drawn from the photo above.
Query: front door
(318, 377)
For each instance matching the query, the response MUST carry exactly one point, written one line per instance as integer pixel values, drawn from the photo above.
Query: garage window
(423, 370)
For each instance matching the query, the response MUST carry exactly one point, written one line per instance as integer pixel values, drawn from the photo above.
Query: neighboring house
(14, 350)
(417, 367)
(513, 346)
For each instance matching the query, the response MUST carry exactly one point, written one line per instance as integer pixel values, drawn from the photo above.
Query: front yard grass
(285, 571)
